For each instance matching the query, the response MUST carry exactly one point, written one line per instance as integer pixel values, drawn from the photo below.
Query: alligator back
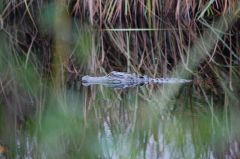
(125, 80)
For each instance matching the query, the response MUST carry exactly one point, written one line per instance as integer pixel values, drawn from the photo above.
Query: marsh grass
(46, 47)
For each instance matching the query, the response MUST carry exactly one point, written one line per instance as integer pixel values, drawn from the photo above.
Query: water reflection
(133, 128)
(101, 122)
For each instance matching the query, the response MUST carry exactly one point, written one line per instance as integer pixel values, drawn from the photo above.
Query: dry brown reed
(147, 37)
(59, 42)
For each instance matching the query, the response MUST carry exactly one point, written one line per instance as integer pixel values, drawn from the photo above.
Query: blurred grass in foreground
(42, 118)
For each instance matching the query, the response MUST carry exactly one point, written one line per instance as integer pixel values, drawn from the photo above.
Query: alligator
(125, 80)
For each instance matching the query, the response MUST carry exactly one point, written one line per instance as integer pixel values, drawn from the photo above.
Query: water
(134, 127)
(102, 122)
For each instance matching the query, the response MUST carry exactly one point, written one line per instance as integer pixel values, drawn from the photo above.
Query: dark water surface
(102, 122)
(134, 122)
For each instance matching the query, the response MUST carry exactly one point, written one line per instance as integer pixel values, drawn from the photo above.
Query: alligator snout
(85, 79)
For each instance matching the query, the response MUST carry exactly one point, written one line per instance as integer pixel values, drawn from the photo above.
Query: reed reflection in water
(134, 125)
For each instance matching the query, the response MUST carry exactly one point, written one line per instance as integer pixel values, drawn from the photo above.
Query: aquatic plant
(47, 46)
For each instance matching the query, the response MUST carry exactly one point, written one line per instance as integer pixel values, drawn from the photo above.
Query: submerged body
(125, 80)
